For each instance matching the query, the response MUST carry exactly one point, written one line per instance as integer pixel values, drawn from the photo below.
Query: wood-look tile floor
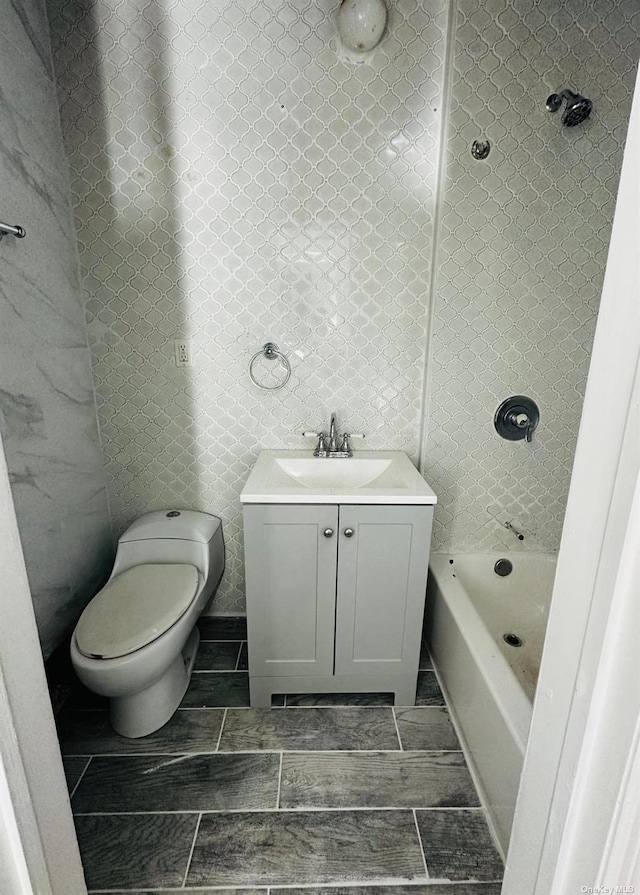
(340, 795)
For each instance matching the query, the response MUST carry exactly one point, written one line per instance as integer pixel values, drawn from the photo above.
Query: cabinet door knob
(348, 532)
(328, 532)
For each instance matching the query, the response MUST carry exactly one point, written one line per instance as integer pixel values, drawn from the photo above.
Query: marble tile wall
(521, 257)
(47, 409)
(238, 179)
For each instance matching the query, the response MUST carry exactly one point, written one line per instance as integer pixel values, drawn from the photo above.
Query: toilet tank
(174, 536)
(184, 525)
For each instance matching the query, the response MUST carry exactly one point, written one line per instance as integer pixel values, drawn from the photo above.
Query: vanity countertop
(369, 477)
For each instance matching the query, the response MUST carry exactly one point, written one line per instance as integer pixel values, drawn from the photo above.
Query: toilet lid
(135, 608)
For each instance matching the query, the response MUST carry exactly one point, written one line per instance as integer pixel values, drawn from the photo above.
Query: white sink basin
(352, 472)
(369, 477)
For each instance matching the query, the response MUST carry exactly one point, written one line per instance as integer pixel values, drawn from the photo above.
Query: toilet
(136, 641)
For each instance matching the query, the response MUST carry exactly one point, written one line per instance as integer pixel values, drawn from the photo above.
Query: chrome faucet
(510, 527)
(333, 435)
(332, 445)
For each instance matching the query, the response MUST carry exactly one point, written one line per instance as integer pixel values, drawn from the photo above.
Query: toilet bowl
(136, 641)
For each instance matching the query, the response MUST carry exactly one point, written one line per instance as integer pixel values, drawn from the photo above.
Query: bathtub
(488, 684)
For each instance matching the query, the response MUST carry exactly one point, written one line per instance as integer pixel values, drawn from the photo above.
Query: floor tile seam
(193, 845)
(308, 807)
(378, 809)
(346, 706)
(298, 708)
(420, 843)
(395, 722)
(269, 751)
(224, 640)
(307, 708)
(222, 723)
(233, 670)
(364, 752)
(272, 809)
(238, 657)
(219, 671)
(209, 708)
(279, 781)
(79, 780)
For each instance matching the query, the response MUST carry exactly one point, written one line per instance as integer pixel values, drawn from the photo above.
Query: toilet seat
(135, 608)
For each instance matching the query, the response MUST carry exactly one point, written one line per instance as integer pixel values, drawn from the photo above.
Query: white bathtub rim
(516, 708)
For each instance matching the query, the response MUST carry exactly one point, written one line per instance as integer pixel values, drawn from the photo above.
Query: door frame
(38, 847)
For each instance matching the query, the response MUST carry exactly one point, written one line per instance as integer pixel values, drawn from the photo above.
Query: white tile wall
(238, 179)
(521, 258)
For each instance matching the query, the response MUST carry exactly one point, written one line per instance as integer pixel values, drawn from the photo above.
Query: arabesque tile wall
(521, 256)
(238, 178)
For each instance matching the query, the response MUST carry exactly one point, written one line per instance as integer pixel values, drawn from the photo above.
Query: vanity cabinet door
(382, 579)
(291, 588)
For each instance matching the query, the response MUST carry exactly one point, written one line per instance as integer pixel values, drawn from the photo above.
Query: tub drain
(512, 639)
(503, 568)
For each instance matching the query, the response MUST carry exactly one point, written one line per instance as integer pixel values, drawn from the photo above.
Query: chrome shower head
(578, 108)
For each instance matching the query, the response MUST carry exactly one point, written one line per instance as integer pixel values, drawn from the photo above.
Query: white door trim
(563, 828)
(38, 846)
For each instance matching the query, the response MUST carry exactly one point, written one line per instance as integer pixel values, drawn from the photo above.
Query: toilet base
(143, 713)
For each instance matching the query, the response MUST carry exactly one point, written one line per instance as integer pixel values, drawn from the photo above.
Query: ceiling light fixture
(361, 23)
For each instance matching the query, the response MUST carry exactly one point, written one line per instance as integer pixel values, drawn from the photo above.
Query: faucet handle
(345, 447)
(321, 445)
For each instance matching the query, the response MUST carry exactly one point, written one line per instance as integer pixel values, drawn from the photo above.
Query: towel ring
(271, 352)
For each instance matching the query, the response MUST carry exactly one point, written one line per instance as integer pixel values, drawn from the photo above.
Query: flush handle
(328, 532)
(348, 532)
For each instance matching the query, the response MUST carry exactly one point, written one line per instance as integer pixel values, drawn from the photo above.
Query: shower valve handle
(517, 418)
(522, 421)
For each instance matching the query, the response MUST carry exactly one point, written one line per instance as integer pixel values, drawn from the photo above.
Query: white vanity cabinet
(335, 597)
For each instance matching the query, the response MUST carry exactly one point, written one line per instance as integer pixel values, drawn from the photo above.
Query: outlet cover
(182, 352)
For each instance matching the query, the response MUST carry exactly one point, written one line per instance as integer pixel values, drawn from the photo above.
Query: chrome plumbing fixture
(514, 531)
(517, 418)
(578, 107)
(480, 149)
(332, 445)
(12, 230)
